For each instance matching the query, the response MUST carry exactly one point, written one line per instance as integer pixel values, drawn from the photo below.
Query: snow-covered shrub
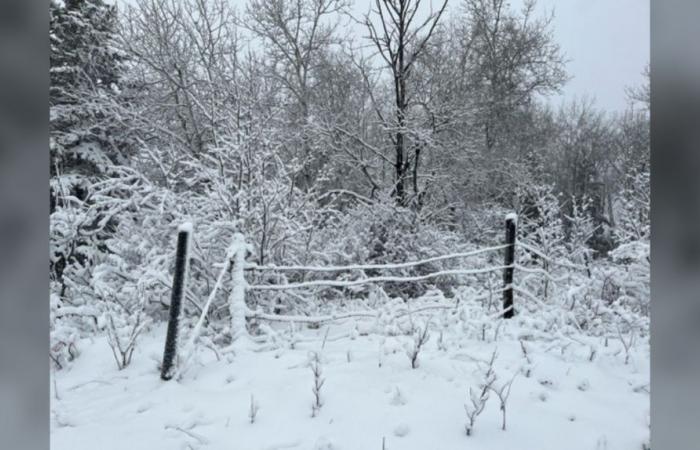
(632, 275)
(420, 337)
(616, 295)
(634, 209)
(317, 370)
(540, 219)
(541, 226)
(73, 249)
(97, 252)
(253, 409)
(477, 398)
(122, 302)
(528, 367)
(580, 229)
(483, 224)
(73, 314)
(123, 330)
(503, 393)
(64, 333)
(382, 233)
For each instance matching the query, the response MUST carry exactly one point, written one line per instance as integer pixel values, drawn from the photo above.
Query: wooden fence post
(237, 305)
(509, 263)
(179, 279)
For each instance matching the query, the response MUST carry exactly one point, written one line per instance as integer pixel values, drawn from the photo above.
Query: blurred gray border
(675, 280)
(24, 163)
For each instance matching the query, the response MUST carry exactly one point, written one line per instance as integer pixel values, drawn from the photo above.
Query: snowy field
(371, 397)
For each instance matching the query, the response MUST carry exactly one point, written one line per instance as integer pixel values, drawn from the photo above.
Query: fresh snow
(560, 400)
(237, 306)
(186, 227)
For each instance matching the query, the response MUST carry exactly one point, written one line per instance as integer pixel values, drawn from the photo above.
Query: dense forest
(327, 138)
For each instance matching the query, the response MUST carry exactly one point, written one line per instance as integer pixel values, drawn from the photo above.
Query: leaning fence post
(179, 281)
(509, 263)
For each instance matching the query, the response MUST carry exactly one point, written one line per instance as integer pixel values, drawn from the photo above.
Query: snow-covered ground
(372, 398)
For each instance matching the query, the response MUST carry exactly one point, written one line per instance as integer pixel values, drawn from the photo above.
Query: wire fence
(235, 264)
(506, 290)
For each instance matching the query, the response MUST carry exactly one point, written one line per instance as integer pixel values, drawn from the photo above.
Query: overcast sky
(607, 42)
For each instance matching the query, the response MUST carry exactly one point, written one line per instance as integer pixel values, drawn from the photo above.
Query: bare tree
(515, 57)
(298, 32)
(400, 42)
(186, 56)
(641, 93)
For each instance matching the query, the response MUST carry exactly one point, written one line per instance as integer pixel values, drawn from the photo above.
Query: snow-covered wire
(543, 256)
(529, 295)
(376, 266)
(364, 314)
(337, 283)
(308, 319)
(541, 272)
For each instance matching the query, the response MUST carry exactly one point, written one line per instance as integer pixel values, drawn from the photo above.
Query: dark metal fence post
(509, 263)
(181, 257)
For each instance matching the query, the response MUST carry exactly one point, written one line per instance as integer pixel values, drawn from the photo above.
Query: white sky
(606, 41)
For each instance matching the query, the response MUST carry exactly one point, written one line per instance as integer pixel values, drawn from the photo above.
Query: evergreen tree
(85, 66)
(87, 134)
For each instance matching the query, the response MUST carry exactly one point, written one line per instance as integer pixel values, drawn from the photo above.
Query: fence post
(179, 281)
(509, 263)
(237, 305)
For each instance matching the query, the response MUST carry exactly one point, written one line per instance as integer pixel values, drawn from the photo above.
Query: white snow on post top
(187, 227)
(511, 216)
